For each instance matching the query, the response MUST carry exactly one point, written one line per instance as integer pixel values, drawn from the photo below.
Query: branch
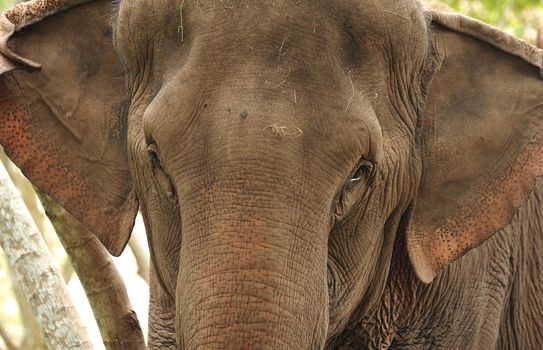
(102, 282)
(36, 273)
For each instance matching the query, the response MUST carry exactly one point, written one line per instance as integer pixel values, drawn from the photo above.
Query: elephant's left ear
(63, 121)
(481, 138)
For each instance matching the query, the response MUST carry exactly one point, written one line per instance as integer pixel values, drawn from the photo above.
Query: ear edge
(113, 230)
(124, 227)
(490, 35)
(423, 268)
(11, 59)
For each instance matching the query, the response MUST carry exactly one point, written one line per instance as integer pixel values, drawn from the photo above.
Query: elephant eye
(364, 168)
(331, 283)
(162, 179)
(152, 153)
(153, 157)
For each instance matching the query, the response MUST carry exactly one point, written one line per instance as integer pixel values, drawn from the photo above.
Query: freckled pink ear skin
(63, 124)
(9, 60)
(482, 133)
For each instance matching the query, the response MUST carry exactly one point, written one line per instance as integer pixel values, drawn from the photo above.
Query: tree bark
(102, 282)
(540, 38)
(36, 273)
(33, 338)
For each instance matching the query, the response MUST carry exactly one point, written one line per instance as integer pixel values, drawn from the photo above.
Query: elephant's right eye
(152, 152)
(153, 156)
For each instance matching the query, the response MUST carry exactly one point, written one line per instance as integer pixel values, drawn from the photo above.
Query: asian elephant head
(281, 152)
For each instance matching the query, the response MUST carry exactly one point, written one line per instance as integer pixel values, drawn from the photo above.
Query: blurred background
(523, 18)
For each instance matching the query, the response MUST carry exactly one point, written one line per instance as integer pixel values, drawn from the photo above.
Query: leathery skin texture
(312, 175)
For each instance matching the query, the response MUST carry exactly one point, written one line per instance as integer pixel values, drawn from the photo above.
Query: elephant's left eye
(351, 192)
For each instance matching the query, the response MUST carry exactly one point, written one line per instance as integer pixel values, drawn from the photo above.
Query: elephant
(312, 174)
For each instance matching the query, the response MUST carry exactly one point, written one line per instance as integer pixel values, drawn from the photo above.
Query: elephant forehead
(301, 41)
(392, 20)
(376, 19)
(269, 115)
(295, 72)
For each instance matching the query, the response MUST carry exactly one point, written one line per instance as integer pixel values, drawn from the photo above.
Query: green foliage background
(520, 17)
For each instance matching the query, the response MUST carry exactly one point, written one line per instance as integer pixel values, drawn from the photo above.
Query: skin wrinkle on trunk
(263, 277)
(161, 318)
(106, 292)
(36, 273)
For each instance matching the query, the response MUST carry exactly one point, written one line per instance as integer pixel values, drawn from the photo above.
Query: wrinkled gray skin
(277, 150)
(270, 256)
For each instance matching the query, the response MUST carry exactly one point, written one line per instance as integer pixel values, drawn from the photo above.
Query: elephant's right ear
(63, 121)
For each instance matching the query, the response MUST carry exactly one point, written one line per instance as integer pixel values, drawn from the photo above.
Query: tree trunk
(36, 273)
(102, 282)
(33, 338)
(540, 38)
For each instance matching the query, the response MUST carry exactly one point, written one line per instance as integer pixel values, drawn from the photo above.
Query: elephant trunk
(252, 276)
